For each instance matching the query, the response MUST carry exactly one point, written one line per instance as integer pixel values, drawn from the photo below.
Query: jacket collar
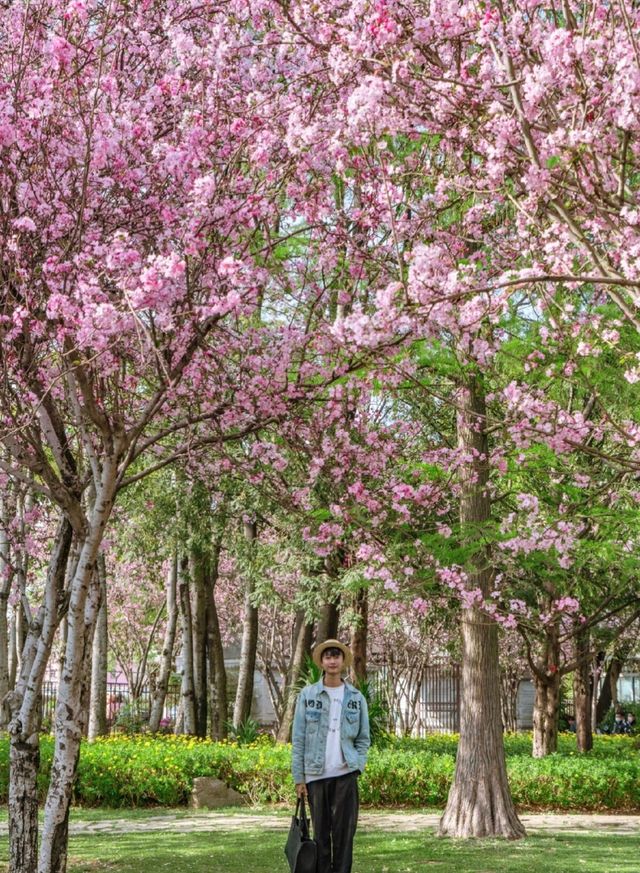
(318, 687)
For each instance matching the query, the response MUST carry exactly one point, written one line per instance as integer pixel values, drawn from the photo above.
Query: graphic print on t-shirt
(334, 763)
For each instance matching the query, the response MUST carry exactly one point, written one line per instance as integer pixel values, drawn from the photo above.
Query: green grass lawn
(256, 851)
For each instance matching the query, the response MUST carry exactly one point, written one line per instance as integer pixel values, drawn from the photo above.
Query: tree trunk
(13, 647)
(509, 680)
(301, 648)
(84, 602)
(609, 686)
(25, 704)
(546, 706)
(23, 805)
(359, 634)
(187, 695)
(22, 632)
(63, 633)
(179, 722)
(328, 622)
(582, 691)
(274, 663)
(98, 725)
(217, 669)
(595, 678)
(479, 803)
(55, 839)
(60, 842)
(244, 693)
(20, 567)
(614, 675)
(62, 642)
(546, 703)
(5, 713)
(199, 574)
(5, 590)
(166, 659)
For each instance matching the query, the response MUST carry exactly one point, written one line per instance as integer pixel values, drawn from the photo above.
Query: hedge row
(604, 745)
(145, 771)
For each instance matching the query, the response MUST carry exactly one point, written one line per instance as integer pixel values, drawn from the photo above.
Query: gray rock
(209, 793)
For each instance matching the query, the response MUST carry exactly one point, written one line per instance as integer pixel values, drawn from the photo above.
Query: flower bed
(145, 770)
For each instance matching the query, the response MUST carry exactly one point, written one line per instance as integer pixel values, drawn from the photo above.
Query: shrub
(379, 713)
(131, 717)
(246, 732)
(146, 770)
(584, 782)
(401, 778)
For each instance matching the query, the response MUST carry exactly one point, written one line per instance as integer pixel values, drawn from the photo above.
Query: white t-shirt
(334, 762)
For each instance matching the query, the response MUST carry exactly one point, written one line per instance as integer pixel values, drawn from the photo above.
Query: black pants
(334, 813)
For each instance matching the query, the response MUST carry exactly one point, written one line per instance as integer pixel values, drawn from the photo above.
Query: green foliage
(579, 782)
(402, 778)
(131, 717)
(309, 675)
(149, 770)
(379, 714)
(245, 733)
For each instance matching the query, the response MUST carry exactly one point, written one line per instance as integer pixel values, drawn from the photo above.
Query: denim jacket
(311, 726)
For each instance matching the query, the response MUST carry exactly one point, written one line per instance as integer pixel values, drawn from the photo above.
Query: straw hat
(332, 644)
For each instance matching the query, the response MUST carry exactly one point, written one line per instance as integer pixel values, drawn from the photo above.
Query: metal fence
(420, 700)
(439, 707)
(430, 706)
(123, 710)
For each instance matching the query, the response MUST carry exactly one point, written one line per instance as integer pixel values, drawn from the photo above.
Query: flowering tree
(169, 172)
(132, 253)
(481, 151)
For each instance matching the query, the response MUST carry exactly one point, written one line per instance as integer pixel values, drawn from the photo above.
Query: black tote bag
(301, 850)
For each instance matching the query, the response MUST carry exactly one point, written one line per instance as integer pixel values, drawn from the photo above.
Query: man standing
(330, 744)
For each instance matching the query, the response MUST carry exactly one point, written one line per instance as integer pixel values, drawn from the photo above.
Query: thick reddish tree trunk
(479, 803)
(582, 692)
(546, 706)
(328, 622)
(359, 635)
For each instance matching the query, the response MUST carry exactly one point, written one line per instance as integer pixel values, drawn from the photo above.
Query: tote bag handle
(304, 821)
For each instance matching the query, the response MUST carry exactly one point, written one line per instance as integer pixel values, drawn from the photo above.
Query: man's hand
(301, 789)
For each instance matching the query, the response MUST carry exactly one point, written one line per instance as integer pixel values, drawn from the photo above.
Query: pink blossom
(421, 606)
(24, 223)
(229, 266)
